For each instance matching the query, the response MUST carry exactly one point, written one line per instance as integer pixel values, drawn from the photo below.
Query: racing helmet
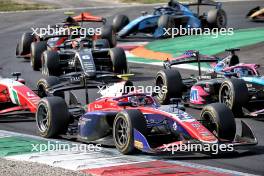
(242, 72)
(138, 100)
(71, 22)
(174, 4)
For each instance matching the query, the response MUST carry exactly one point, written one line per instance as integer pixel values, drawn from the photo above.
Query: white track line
(90, 160)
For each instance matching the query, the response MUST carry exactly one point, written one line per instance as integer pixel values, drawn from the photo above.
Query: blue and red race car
(173, 15)
(135, 121)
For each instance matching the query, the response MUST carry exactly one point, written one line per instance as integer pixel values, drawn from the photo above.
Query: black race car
(31, 46)
(84, 56)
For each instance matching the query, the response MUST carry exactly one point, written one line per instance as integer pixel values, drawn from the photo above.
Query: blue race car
(173, 15)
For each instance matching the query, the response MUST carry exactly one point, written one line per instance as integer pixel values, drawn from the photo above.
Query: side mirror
(175, 104)
(175, 100)
(16, 74)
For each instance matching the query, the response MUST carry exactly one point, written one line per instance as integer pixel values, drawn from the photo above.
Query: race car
(256, 14)
(83, 55)
(16, 98)
(225, 83)
(135, 121)
(172, 16)
(31, 45)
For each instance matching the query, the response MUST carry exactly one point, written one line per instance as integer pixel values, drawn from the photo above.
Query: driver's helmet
(241, 72)
(71, 22)
(174, 4)
(138, 100)
(219, 67)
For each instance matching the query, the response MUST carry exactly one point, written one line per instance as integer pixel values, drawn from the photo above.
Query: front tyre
(46, 83)
(52, 117)
(50, 63)
(119, 60)
(119, 22)
(37, 48)
(219, 120)
(123, 129)
(170, 84)
(109, 34)
(217, 18)
(234, 94)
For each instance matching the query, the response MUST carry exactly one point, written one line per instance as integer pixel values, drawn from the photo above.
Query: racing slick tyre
(119, 60)
(171, 85)
(219, 120)
(45, 83)
(50, 63)
(25, 43)
(52, 117)
(119, 22)
(101, 44)
(109, 34)
(217, 18)
(234, 94)
(166, 21)
(123, 129)
(37, 48)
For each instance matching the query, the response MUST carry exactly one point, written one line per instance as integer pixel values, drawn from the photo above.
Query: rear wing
(217, 5)
(190, 57)
(205, 2)
(87, 17)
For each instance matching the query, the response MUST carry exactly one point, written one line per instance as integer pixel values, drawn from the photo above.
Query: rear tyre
(25, 43)
(171, 85)
(46, 83)
(119, 60)
(119, 22)
(219, 120)
(51, 63)
(234, 94)
(100, 44)
(52, 117)
(37, 48)
(123, 130)
(217, 18)
(109, 34)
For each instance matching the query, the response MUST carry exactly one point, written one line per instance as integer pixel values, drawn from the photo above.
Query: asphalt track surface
(12, 25)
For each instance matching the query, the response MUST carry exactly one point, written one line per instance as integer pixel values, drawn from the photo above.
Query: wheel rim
(160, 84)
(226, 96)
(42, 118)
(121, 132)
(221, 20)
(209, 123)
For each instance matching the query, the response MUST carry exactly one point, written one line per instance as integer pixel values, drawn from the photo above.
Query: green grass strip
(208, 44)
(22, 145)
